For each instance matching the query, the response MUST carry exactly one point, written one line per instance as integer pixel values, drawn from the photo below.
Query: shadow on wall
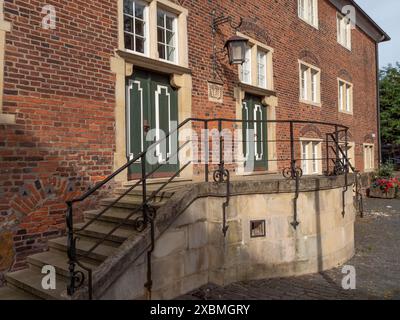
(35, 182)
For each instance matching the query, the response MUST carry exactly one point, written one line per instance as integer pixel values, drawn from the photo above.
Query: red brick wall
(59, 85)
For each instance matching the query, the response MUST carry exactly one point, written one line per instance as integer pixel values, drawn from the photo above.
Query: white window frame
(310, 84)
(262, 67)
(255, 47)
(308, 12)
(345, 96)
(369, 156)
(343, 31)
(311, 156)
(245, 68)
(146, 28)
(175, 30)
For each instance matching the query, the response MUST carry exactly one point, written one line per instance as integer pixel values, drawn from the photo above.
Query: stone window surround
(320, 162)
(312, 67)
(255, 46)
(316, 18)
(153, 6)
(366, 167)
(5, 26)
(351, 93)
(124, 63)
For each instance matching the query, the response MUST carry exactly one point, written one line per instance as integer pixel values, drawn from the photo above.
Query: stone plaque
(215, 92)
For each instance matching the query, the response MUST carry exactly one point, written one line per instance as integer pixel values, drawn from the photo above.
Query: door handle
(146, 126)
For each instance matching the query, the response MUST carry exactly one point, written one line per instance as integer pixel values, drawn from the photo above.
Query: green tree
(390, 103)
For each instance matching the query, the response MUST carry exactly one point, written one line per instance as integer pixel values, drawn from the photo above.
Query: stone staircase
(26, 284)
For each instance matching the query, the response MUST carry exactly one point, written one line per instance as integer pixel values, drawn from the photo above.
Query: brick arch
(310, 129)
(250, 27)
(368, 138)
(349, 136)
(345, 75)
(309, 57)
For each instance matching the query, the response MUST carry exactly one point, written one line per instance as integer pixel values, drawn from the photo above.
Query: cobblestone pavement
(377, 263)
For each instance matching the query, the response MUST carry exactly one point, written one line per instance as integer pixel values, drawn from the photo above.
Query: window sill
(342, 45)
(258, 91)
(309, 23)
(152, 64)
(310, 103)
(7, 118)
(349, 113)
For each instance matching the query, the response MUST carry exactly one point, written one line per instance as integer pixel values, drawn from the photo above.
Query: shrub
(385, 171)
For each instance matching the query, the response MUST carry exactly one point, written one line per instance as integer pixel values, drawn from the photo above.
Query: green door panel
(255, 133)
(153, 102)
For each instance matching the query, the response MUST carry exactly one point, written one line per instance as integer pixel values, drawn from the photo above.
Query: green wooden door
(152, 112)
(255, 134)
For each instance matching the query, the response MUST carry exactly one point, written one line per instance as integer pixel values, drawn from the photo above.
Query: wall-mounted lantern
(235, 46)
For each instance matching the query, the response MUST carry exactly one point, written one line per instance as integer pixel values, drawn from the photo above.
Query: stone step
(7, 293)
(59, 261)
(83, 245)
(129, 203)
(160, 181)
(99, 229)
(115, 215)
(137, 194)
(30, 281)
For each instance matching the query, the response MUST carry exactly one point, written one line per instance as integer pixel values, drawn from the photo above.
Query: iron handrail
(142, 222)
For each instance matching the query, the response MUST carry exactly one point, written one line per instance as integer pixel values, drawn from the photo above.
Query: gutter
(378, 102)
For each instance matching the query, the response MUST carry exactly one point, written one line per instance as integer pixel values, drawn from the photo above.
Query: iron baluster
(296, 223)
(206, 151)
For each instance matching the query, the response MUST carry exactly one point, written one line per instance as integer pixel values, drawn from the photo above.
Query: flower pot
(379, 193)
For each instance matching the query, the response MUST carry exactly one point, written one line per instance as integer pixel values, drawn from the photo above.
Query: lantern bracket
(217, 21)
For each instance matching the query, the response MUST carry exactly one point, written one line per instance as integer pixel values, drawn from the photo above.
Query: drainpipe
(378, 102)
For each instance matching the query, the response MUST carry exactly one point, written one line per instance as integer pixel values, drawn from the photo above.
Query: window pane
(128, 7)
(169, 23)
(160, 19)
(170, 38)
(139, 11)
(315, 157)
(304, 157)
(140, 44)
(128, 24)
(160, 35)
(161, 51)
(139, 27)
(301, 8)
(303, 84)
(129, 42)
(348, 98)
(341, 95)
(314, 86)
(170, 53)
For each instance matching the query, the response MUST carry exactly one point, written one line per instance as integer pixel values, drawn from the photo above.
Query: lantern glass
(236, 50)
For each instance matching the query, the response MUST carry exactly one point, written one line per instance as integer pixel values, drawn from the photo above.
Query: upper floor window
(262, 68)
(344, 31)
(309, 83)
(257, 70)
(245, 69)
(308, 11)
(135, 26)
(345, 99)
(166, 35)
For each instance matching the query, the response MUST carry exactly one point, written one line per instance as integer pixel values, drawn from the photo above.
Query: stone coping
(133, 248)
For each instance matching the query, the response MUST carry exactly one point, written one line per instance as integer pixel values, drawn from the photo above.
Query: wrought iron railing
(289, 164)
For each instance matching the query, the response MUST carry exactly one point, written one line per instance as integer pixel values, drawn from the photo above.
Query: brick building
(73, 91)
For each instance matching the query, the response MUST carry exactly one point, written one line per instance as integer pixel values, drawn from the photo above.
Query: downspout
(378, 102)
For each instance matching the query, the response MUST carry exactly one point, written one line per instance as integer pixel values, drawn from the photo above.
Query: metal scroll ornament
(290, 173)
